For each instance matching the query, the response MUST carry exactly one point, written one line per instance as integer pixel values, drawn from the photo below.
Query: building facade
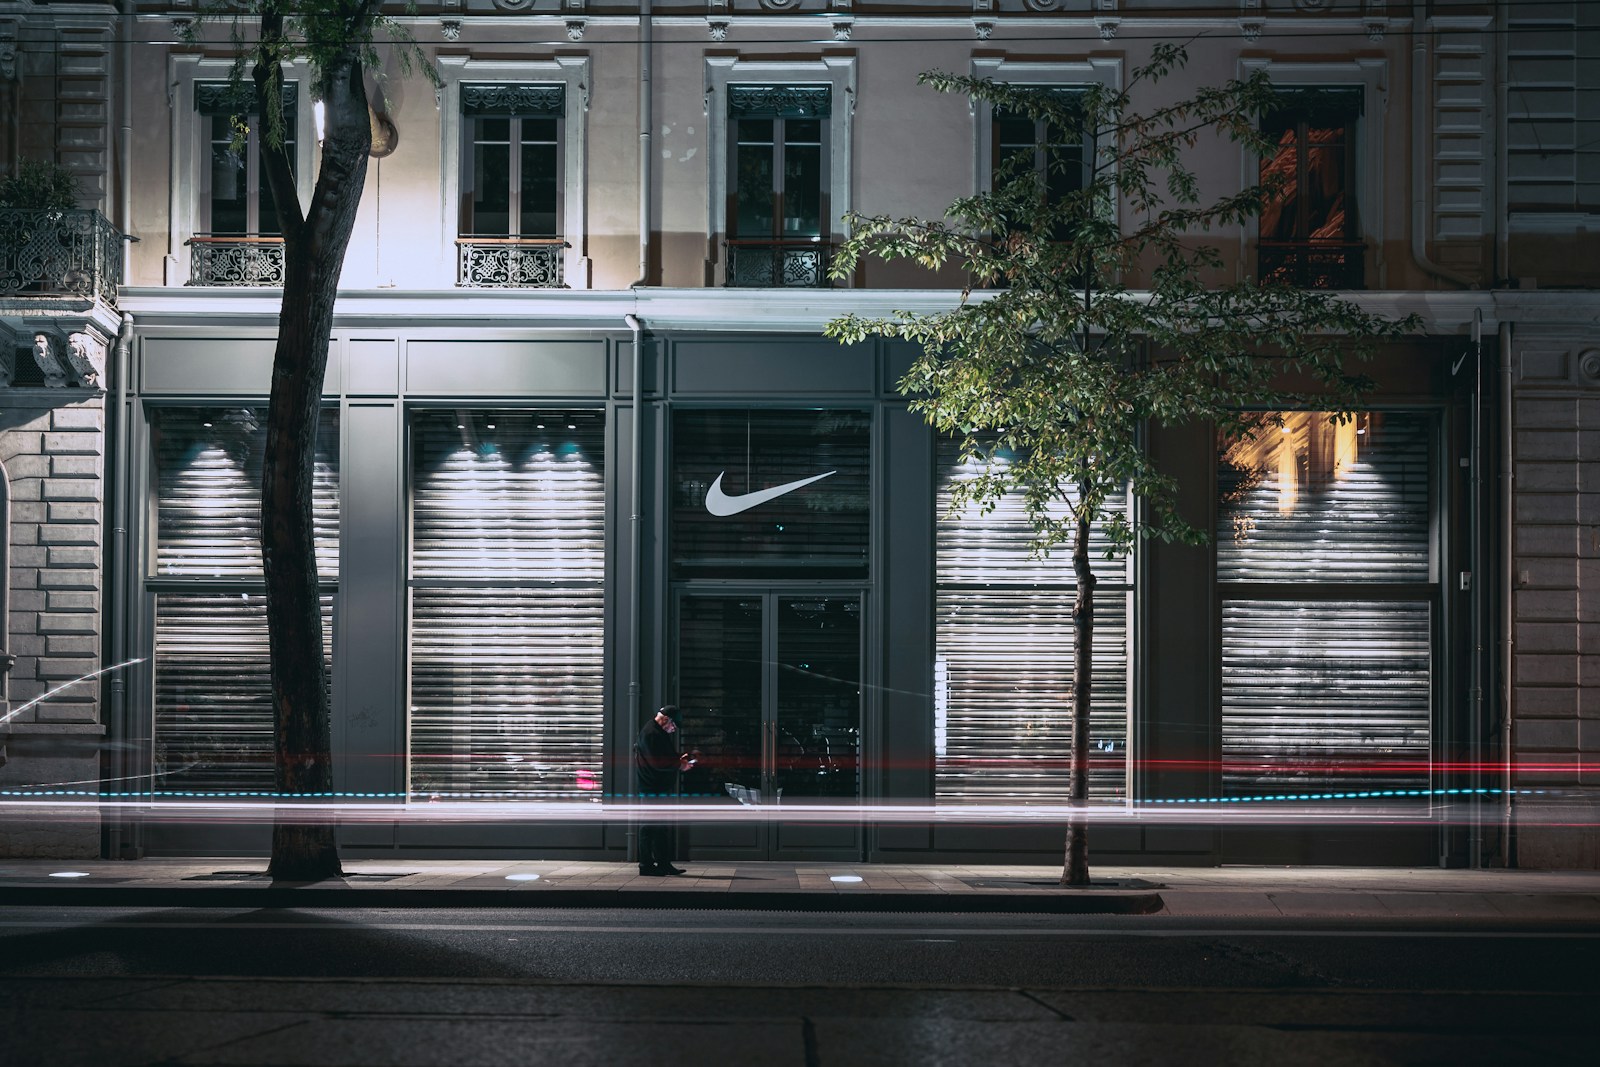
(585, 449)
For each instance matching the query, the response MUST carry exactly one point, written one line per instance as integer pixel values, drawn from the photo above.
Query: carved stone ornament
(983, 29)
(575, 29)
(1107, 27)
(780, 5)
(86, 357)
(1311, 5)
(450, 29)
(8, 356)
(8, 51)
(1589, 364)
(1251, 28)
(1043, 5)
(49, 350)
(1376, 28)
(718, 28)
(842, 29)
(513, 5)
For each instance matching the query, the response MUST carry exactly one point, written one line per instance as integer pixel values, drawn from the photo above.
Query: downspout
(1508, 636)
(124, 760)
(636, 522)
(646, 118)
(125, 176)
(1421, 158)
(1480, 584)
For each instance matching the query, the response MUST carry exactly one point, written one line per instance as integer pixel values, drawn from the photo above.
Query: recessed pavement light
(522, 877)
(69, 874)
(844, 878)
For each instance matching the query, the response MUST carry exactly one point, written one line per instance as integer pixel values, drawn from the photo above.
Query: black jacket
(655, 761)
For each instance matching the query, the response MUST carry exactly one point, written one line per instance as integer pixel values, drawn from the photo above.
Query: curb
(1063, 902)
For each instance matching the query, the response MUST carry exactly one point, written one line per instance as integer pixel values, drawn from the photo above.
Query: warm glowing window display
(507, 603)
(1311, 231)
(1003, 666)
(213, 712)
(1323, 555)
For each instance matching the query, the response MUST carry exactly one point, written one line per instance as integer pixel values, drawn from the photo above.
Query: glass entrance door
(770, 686)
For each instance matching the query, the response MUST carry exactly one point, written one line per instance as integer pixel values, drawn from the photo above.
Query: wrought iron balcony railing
(798, 264)
(215, 259)
(59, 253)
(1311, 264)
(511, 262)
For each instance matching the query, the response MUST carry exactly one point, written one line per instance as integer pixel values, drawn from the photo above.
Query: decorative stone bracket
(67, 352)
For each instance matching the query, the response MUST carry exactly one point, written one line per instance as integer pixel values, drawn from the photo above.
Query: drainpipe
(123, 759)
(1508, 616)
(646, 118)
(1421, 158)
(125, 175)
(636, 521)
(1480, 584)
(636, 550)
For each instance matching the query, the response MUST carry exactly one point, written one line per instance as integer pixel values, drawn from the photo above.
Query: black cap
(670, 711)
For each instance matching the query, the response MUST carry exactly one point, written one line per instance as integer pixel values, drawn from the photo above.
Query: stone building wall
(1555, 596)
(52, 445)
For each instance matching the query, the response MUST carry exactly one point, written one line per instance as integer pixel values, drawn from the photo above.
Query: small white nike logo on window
(721, 504)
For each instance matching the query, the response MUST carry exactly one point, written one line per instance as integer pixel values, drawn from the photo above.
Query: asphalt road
(382, 987)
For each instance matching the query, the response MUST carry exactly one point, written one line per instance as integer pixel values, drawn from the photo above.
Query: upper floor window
(236, 199)
(511, 182)
(1310, 232)
(778, 204)
(514, 171)
(778, 167)
(236, 238)
(1047, 153)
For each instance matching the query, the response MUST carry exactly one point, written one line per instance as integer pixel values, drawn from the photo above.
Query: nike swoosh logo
(723, 505)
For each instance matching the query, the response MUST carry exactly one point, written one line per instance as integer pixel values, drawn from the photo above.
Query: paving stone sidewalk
(1306, 893)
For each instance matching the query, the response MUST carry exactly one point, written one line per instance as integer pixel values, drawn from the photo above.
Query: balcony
(59, 254)
(216, 259)
(1311, 264)
(511, 262)
(767, 264)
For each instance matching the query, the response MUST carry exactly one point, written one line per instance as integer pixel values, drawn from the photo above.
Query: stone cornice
(755, 310)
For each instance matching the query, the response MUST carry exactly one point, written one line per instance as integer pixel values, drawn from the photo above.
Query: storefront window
(1003, 666)
(1323, 686)
(213, 689)
(507, 603)
(771, 492)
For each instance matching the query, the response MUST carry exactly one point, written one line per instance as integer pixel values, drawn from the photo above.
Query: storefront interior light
(522, 877)
(319, 115)
(69, 874)
(846, 878)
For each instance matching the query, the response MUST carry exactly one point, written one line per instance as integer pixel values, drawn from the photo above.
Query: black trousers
(657, 844)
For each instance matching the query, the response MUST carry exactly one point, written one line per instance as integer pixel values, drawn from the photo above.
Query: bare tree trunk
(314, 248)
(1075, 872)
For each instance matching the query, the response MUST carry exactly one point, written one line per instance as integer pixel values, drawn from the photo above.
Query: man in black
(657, 762)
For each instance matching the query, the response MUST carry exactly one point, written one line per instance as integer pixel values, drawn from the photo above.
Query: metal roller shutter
(1003, 667)
(508, 604)
(1325, 688)
(213, 684)
(1324, 696)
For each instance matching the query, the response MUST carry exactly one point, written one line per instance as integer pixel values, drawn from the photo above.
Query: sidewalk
(1264, 893)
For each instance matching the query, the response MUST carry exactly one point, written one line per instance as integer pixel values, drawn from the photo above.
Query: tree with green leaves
(1054, 359)
(338, 41)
